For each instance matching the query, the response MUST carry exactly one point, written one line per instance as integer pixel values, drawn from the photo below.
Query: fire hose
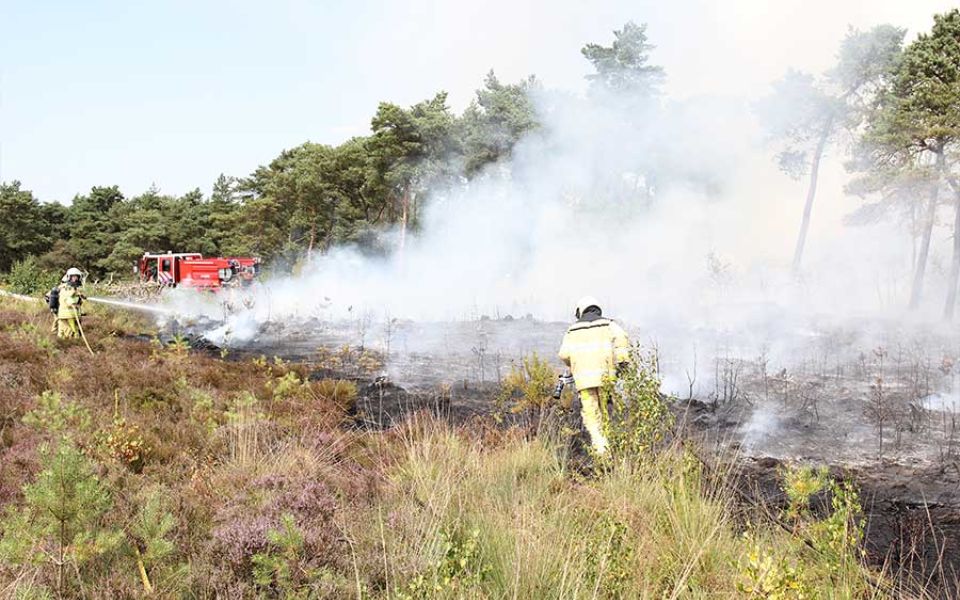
(76, 312)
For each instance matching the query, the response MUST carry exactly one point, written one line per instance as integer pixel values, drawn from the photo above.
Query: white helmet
(584, 303)
(74, 271)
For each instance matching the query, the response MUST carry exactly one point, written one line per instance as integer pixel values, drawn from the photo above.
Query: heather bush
(19, 461)
(124, 443)
(282, 532)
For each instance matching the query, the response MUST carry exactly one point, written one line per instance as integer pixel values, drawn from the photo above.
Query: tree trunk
(313, 239)
(811, 194)
(917, 291)
(404, 215)
(955, 265)
(913, 236)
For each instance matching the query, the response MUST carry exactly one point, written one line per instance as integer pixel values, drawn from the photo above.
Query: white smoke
(703, 264)
(563, 219)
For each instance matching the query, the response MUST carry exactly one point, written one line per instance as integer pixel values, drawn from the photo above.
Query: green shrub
(286, 386)
(56, 415)
(765, 576)
(639, 416)
(38, 337)
(800, 484)
(838, 536)
(341, 392)
(28, 277)
(124, 443)
(528, 386)
(459, 570)
(609, 557)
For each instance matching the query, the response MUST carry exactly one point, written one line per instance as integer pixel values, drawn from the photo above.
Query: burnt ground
(917, 541)
(878, 409)
(911, 506)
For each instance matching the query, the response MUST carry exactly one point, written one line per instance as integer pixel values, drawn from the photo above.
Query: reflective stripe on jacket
(592, 349)
(70, 298)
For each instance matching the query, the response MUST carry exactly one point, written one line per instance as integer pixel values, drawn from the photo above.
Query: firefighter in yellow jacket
(593, 348)
(70, 298)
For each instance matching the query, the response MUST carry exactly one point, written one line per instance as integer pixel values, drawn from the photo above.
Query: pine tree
(58, 529)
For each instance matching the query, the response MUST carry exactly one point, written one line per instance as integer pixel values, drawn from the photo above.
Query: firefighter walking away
(594, 348)
(69, 300)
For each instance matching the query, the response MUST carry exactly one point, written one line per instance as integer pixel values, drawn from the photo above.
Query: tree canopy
(307, 199)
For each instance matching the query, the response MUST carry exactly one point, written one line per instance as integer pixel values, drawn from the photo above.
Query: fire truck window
(166, 265)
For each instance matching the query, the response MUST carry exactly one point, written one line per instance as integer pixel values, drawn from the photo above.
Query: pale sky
(173, 93)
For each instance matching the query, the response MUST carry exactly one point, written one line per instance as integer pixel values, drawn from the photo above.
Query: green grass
(656, 528)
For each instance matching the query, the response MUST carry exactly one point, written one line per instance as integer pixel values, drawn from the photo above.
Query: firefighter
(594, 348)
(69, 300)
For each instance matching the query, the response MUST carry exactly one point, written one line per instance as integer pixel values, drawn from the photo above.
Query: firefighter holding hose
(594, 348)
(69, 299)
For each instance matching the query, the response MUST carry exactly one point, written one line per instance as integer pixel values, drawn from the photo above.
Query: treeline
(307, 199)
(314, 196)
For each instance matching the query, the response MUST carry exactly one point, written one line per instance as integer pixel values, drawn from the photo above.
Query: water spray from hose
(132, 305)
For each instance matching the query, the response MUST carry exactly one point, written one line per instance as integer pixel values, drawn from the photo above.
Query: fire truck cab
(193, 270)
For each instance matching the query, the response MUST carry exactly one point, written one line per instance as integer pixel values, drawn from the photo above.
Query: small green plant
(639, 417)
(609, 558)
(59, 526)
(156, 348)
(202, 411)
(800, 484)
(763, 576)
(287, 386)
(281, 568)
(459, 570)
(838, 535)
(179, 346)
(528, 386)
(56, 415)
(42, 340)
(154, 551)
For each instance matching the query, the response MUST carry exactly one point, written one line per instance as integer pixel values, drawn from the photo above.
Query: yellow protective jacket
(70, 298)
(592, 350)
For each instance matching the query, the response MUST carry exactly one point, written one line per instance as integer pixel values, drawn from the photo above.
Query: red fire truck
(191, 269)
